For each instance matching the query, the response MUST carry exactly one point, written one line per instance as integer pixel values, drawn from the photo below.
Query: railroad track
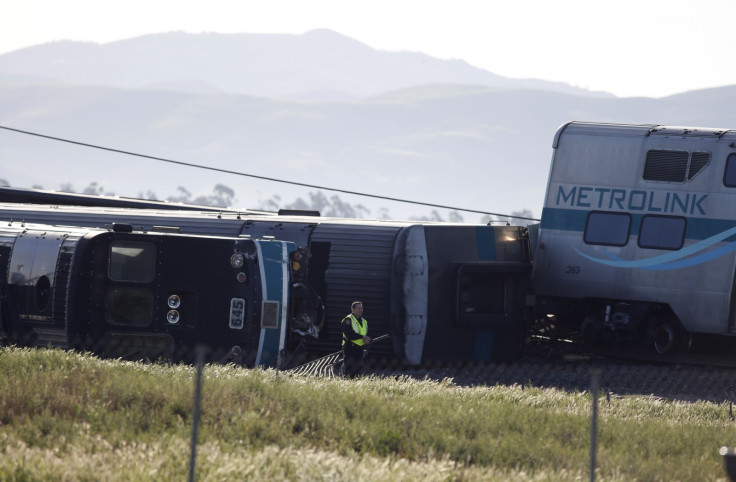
(708, 375)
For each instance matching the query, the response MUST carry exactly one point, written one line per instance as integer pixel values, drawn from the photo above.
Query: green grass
(66, 416)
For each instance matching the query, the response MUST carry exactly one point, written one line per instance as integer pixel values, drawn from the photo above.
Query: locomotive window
(729, 177)
(662, 232)
(132, 262)
(128, 306)
(609, 229)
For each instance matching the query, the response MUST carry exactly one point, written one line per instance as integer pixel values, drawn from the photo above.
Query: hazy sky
(628, 47)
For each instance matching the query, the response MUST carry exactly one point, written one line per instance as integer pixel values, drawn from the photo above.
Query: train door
(31, 273)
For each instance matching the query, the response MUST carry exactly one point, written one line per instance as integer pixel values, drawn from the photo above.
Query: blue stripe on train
(575, 219)
(273, 261)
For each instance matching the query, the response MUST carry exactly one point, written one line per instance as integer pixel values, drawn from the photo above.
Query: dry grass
(65, 416)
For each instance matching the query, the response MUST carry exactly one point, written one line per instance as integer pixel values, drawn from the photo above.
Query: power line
(236, 173)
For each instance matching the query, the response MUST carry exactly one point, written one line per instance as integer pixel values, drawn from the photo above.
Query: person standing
(355, 339)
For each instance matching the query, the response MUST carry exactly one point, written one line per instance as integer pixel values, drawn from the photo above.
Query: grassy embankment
(65, 416)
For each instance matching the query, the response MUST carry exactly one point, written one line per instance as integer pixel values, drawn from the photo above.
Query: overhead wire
(255, 176)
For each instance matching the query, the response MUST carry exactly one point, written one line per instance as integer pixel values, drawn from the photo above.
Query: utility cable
(236, 173)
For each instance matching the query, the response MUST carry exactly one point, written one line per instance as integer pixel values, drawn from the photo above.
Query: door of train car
(37, 283)
(160, 296)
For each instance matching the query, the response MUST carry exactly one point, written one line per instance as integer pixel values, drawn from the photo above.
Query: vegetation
(66, 416)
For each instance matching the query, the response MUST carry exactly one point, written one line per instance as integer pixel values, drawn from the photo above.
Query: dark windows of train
(132, 262)
(662, 232)
(482, 293)
(487, 294)
(729, 177)
(129, 306)
(43, 293)
(670, 166)
(608, 229)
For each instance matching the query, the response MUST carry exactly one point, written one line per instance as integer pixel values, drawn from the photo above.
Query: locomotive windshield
(134, 262)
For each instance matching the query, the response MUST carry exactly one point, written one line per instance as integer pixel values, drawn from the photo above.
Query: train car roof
(225, 216)
(640, 130)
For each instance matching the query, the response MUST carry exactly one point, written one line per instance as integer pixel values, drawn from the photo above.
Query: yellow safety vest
(360, 328)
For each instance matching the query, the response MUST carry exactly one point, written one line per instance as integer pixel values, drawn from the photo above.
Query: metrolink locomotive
(443, 292)
(637, 233)
(142, 295)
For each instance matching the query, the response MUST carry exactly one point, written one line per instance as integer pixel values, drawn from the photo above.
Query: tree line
(330, 206)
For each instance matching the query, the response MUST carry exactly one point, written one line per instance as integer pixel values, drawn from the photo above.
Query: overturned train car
(138, 295)
(444, 292)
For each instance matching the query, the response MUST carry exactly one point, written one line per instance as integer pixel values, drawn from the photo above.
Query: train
(636, 240)
(443, 292)
(121, 292)
(635, 244)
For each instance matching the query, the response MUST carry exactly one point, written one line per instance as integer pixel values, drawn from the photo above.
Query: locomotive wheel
(667, 336)
(590, 330)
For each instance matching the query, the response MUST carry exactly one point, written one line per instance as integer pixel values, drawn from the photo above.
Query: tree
(525, 213)
(183, 196)
(222, 196)
(435, 216)
(332, 206)
(94, 188)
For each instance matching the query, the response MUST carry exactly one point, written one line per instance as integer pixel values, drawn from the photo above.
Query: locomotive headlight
(296, 266)
(174, 301)
(237, 260)
(172, 317)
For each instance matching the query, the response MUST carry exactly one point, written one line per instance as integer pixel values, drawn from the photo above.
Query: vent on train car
(166, 229)
(674, 166)
(298, 212)
(270, 315)
(697, 162)
(670, 166)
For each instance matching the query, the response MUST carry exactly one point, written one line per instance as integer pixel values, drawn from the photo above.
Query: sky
(651, 48)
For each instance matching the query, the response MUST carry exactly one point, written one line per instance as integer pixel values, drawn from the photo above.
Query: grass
(66, 416)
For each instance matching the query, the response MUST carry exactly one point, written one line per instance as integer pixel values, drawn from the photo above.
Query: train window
(729, 176)
(662, 232)
(490, 295)
(128, 306)
(608, 229)
(132, 262)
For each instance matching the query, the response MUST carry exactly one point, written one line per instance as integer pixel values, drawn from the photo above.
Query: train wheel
(590, 330)
(667, 336)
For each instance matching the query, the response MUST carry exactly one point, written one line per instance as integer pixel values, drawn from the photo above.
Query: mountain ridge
(265, 65)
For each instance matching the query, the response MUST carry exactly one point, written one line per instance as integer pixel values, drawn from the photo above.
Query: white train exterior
(638, 232)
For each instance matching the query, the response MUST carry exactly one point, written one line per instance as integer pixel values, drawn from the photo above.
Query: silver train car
(123, 293)
(444, 292)
(638, 232)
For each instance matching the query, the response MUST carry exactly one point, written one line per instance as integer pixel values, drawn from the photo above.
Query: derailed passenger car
(130, 294)
(444, 292)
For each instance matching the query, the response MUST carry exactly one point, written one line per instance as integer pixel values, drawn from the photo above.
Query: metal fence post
(195, 415)
(594, 383)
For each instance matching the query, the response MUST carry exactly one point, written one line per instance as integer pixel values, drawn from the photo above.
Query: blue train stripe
(273, 265)
(707, 232)
(575, 219)
(486, 241)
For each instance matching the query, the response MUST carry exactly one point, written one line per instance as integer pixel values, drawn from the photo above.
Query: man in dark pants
(355, 339)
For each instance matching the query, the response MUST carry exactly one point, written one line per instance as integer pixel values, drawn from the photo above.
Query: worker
(355, 339)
